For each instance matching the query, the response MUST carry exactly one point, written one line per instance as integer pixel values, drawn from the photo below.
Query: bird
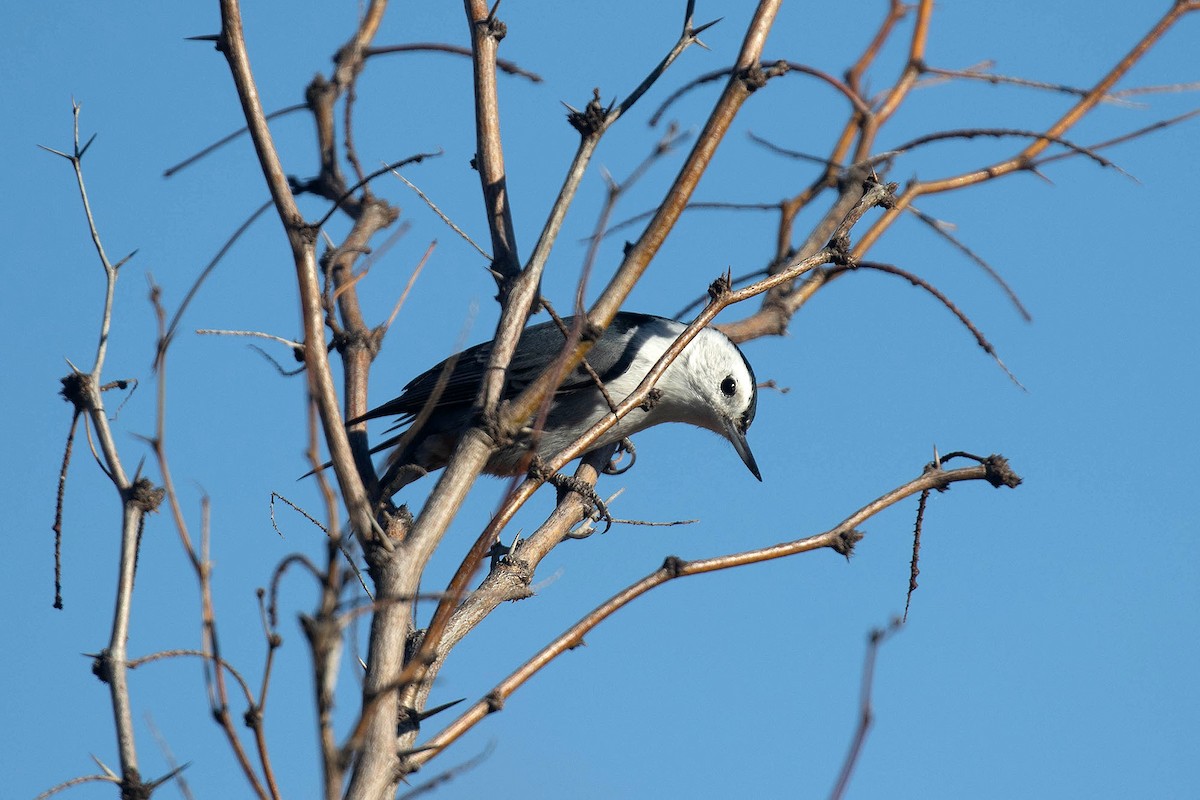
(710, 385)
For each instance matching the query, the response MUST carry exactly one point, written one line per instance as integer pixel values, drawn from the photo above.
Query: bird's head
(717, 390)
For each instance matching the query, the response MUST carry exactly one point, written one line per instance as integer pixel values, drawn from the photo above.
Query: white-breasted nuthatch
(710, 385)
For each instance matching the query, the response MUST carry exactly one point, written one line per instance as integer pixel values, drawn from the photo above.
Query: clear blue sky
(1052, 646)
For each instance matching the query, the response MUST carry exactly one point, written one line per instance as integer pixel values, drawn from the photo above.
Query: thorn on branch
(217, 39)
(424, 715)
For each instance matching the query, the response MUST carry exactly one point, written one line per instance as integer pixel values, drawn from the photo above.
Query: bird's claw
(623, 447)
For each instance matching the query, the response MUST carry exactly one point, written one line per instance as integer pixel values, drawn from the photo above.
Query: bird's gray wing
(540, 344)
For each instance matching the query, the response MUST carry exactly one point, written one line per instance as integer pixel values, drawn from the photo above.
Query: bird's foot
(568, 483)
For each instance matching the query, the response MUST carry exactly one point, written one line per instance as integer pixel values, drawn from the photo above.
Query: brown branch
(897, 10)
(1021, 160)
(913, 569)
(841, 538)
(161, 655)
(1136, 134)
(302, 239)
(486, 32)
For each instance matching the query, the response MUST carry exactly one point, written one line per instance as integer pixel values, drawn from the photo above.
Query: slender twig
(926, 286)
(82, 779)
(289, 343)
(202, 567)
(208, 269)
(385, 169)
(187, 162)
(442, 216)
(447, 775)
(866, 713)
(412, 280)
(941, 229)
(141, 661)
(1136, 134)
(176, 768)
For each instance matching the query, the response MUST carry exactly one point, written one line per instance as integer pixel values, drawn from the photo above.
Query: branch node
(721, 286)
(145, 495)
(652, 398)
(252, 719)
(591, 332)
(999, 473)
(495, 702)
(592, 120)
(493, 27)
(845, 541)
(753, 77)
(102, 666)
(75, 389)
(673, 566)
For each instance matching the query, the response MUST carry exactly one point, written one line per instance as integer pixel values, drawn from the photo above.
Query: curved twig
(925, 285)
(502, 64)
(773, 69)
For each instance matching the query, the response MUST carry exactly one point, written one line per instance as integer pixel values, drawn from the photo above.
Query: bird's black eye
(728, 386)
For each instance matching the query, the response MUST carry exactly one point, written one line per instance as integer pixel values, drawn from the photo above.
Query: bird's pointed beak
(738, 439)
